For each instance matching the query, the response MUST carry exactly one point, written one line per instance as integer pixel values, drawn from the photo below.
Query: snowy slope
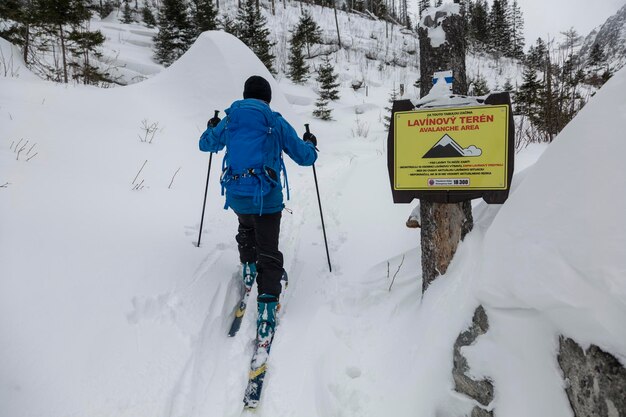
(611, 36)
(554, 261)
(108, 309)
(11, 62)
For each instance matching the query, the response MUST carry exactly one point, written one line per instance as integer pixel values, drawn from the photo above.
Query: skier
(255, 137)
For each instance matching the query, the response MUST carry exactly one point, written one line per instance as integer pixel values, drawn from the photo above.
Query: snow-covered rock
(611, 36)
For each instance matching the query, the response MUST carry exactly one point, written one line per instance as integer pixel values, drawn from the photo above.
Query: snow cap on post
(432, 19)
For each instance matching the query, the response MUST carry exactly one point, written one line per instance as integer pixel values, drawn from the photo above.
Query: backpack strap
(284, 169)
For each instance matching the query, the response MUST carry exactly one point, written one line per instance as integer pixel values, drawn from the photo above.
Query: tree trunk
(337, 23)
(443, 225)
(26, 42)
(63, 53)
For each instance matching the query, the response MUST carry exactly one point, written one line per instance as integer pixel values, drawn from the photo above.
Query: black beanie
(257, 87)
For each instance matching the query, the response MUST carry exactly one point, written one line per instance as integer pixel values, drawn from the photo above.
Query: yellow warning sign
(452, 149)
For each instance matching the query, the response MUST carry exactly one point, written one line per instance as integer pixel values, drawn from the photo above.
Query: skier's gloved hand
(310, 137)
(214, 121)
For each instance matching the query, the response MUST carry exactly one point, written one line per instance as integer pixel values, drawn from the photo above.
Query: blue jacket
(249, 116)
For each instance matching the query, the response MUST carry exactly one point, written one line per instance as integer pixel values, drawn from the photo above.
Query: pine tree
(19, 17)
(423, 5)
(175, 32)
(393, 96)
(328, 80)
(127, 13)
(517, 31)
(83, 44)
(479, 86)
(479, 22)
(307, 33)
(499, 28)
(203, 16)
(321, 109)
(508, 86)
(66, 22)
(438, 3)
(148, 17)
(106, 8)
(597, 58)
(298, 69)
(228, 25)
(528, 94)
(252, 30)
(328, 91)
(537, 55)
(379, 8)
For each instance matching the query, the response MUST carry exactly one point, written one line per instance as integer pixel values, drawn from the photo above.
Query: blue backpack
(253, 160)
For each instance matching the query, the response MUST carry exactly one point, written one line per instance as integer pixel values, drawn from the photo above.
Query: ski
(239, 313)
(258, 365)
(248, 281)
(258, 369)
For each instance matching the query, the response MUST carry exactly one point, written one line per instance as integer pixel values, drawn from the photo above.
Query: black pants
(257, 239)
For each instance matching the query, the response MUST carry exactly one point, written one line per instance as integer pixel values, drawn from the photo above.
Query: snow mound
(557, 246)
(216, 65)
(11, 62)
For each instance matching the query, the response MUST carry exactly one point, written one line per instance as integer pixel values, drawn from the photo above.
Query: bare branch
(149, 130)
(398, 270)
(20, 151)
(18, 145)
(140, 169)
(172, 181)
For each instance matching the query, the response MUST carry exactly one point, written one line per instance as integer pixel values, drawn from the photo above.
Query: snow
(580, 286)
(107, 308)
(12, 63)
(435, 16)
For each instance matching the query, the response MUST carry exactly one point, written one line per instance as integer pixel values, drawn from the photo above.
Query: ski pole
(319, 201)
(206, 189)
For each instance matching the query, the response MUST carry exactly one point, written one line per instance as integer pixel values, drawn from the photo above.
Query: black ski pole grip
(306, 126)
(208, 124)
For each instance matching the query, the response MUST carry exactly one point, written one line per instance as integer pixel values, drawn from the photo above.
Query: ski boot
(266, 324)
(249, 275)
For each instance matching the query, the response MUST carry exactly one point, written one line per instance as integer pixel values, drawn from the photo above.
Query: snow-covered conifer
(479, 86)
(527, 97)
(298, 69)
(175, 32)
(203, 16)
(478, 21)
(499, 28)
(148, 17)
(327, 79)
(328, 91)
(393, 96)
(307, 32)
(517, 31)
(127, 13)
(251, 29)
(423, 5)
(597, 57)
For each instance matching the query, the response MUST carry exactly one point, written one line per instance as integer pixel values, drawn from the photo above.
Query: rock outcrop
(481, 391)
(596, 381)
